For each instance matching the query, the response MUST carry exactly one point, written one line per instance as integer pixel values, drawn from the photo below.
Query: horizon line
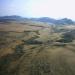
(38, 17)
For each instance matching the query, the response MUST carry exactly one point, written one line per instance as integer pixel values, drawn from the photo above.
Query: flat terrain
(36, 49)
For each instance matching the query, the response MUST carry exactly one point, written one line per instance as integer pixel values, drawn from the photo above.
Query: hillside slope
(36, 49)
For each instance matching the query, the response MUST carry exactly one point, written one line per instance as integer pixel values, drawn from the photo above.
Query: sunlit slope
(36, 49)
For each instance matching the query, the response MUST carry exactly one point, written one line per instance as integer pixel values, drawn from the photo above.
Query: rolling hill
(36, 48)
(63, 21)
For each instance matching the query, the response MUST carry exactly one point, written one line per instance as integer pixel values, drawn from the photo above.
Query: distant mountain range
(63, 21)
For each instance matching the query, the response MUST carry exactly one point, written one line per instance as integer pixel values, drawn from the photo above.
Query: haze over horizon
(38, 8)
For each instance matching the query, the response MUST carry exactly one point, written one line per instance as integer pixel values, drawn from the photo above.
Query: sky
(38, 8)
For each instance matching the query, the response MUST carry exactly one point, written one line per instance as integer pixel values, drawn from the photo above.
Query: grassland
(36, 49)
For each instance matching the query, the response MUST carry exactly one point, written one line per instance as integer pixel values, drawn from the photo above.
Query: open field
(36, 49)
